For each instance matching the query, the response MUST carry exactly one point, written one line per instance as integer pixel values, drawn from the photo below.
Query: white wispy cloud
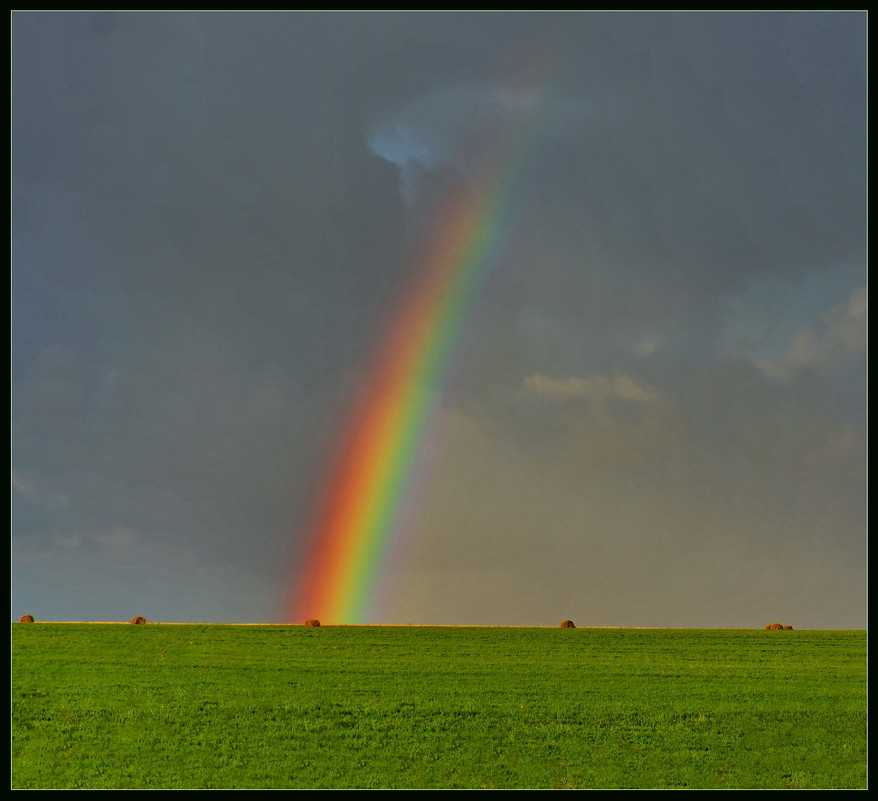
(29, 489)
(647, 347)
(116, 542)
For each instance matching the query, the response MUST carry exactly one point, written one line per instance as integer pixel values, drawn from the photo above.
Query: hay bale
(138, 621)
(774, 627)
(568, 624)
(787, 628)
(27, 619)
(313, 623)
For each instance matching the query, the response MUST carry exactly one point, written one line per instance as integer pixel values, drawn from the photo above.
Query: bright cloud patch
(843, 335)
(599, 388)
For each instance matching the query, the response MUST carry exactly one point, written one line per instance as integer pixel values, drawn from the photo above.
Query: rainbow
(360, 511)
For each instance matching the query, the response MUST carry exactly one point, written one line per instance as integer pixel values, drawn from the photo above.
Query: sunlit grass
(198, 706)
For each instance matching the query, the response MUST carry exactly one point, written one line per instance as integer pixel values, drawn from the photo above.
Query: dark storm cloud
(188, 214)
(207, 232)
(709, 169)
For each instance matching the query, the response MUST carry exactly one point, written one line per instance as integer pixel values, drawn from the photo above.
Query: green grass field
(216, 706)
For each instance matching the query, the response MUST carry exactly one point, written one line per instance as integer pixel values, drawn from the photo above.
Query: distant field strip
(286, 707)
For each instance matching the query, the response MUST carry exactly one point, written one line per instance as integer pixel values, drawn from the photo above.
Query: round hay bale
(312, 623)
(27, 619)
(774, 627)
(568, 624)
(138, 621)
(787, 628)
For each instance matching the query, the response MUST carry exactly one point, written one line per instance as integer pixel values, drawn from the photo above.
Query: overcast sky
(657, 413)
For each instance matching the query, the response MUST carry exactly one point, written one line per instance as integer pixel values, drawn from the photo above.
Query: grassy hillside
(214, 706)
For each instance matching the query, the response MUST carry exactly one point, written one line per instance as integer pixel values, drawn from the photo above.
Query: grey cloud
(207, 233)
